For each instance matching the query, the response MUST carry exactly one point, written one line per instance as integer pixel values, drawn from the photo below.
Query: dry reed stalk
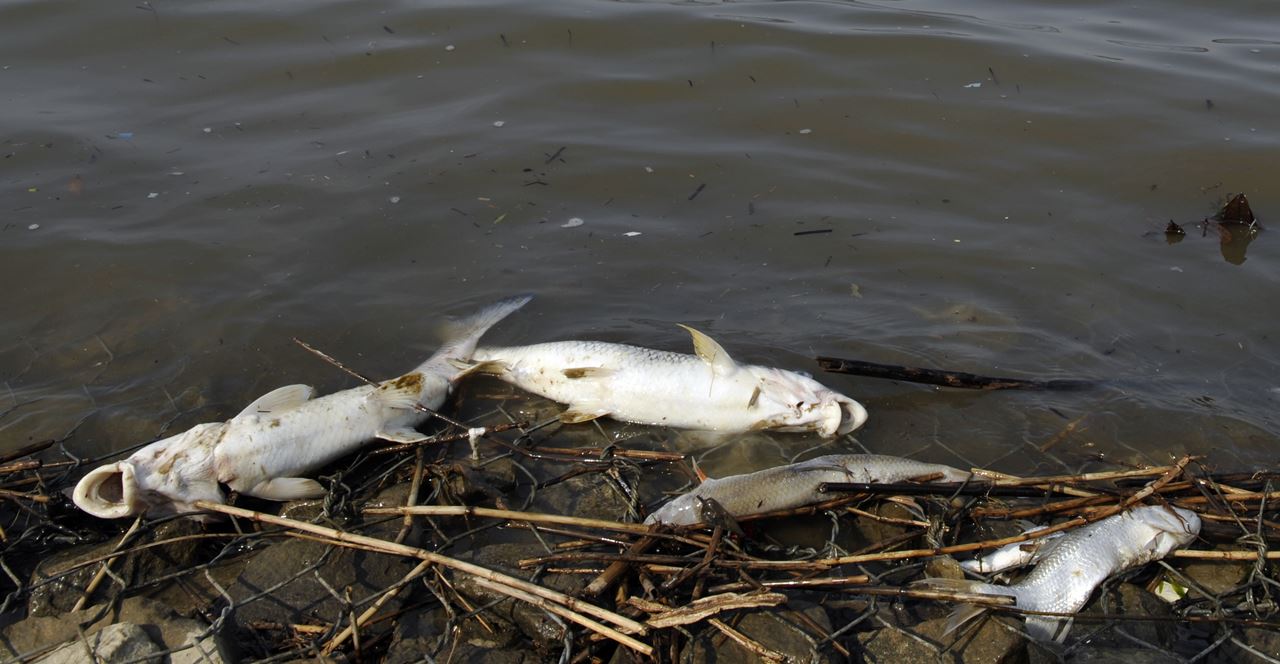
(887, 519)
(616, 570)
(856, 580)
(106, 564)
(639, 455)
(1198, 554)
(747, 642)
(502, 582)
(542, 603)
(698, 610)
(532, 517)
(17, 495)
(350, 630)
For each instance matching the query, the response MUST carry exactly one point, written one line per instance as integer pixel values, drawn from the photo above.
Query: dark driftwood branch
(958, 379)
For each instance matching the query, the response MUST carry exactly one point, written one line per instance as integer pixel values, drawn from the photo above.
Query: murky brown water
(186, 187)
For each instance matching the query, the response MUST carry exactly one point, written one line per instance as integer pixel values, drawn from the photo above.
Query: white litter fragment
(450, 47)
(977, 84)
(806, 131)
(207, 130)
(153, 194)
(176, 173)
(632, 233)
(573, 223)
(648, 169)
(33, 227)
(499, 123)
(394, 199)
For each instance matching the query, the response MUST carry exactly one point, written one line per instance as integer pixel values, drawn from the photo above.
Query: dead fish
(1010, 556)
(707, 391)
(1076, 563)
(264, 450)
(795, 485)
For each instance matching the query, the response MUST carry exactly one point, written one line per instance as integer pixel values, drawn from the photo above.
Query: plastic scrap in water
(632, 233)
(977, 84)
(573, 223)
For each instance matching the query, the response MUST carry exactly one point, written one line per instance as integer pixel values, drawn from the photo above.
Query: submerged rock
(782, 631)
(57, 584)
(995, 640)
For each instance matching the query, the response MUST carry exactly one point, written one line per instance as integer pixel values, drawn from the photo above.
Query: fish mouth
(108, 492)
(853, 416)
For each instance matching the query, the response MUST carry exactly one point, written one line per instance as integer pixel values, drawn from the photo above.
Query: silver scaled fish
(708, 391)
(1068, 569)
(795, 485)
(264, 450)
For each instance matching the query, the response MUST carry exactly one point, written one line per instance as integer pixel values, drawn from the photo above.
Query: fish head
(1174, 527)
(789, 401)
(165, 477)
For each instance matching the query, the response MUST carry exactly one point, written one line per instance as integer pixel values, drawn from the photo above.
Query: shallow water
(211, 180)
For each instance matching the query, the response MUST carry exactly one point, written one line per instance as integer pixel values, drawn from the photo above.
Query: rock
(55, 590)
(122, 642)
(943, 567)
(779, 630)
(1042, 654)
(416, 634)
(1128, 599)
(161, 625)
(872, 530)
(534, 623)
(279, 582)
(590, 496)
(1216, 577)
(1265, 641)
(990, 640)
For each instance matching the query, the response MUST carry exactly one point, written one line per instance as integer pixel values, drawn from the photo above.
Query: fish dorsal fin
(279, 399)
(711, 352)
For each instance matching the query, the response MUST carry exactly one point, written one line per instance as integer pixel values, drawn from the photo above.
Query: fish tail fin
(486, 367)
(462, 335)
(963, 613)
(109, 492)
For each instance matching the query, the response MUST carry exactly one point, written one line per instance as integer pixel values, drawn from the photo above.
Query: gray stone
(161, 625)
(534, 623)
(1122, 656)
(782, 631)
(944, 567)
(1264, 641)
(114, 643)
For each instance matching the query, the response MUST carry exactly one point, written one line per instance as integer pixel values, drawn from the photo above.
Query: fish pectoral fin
(401, 435)
(287, 488)
(711, 352)
(575, 373)
(279, 399)
(401, 393)
(580, 414)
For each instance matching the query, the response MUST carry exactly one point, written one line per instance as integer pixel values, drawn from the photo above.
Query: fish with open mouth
(796, 485)
(707, 391)
(1069, 568)
(264, 450)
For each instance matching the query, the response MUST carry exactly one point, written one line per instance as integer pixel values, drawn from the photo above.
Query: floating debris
(33, 227)
(632, 233)
(975, 84)
(499, 123)
(394, 199)
(573, 222)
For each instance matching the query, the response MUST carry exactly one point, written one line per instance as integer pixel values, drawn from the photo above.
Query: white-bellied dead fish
(284, 434)
(1009, 556)
(708, 391)
(796, 485)
(1066, 574)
